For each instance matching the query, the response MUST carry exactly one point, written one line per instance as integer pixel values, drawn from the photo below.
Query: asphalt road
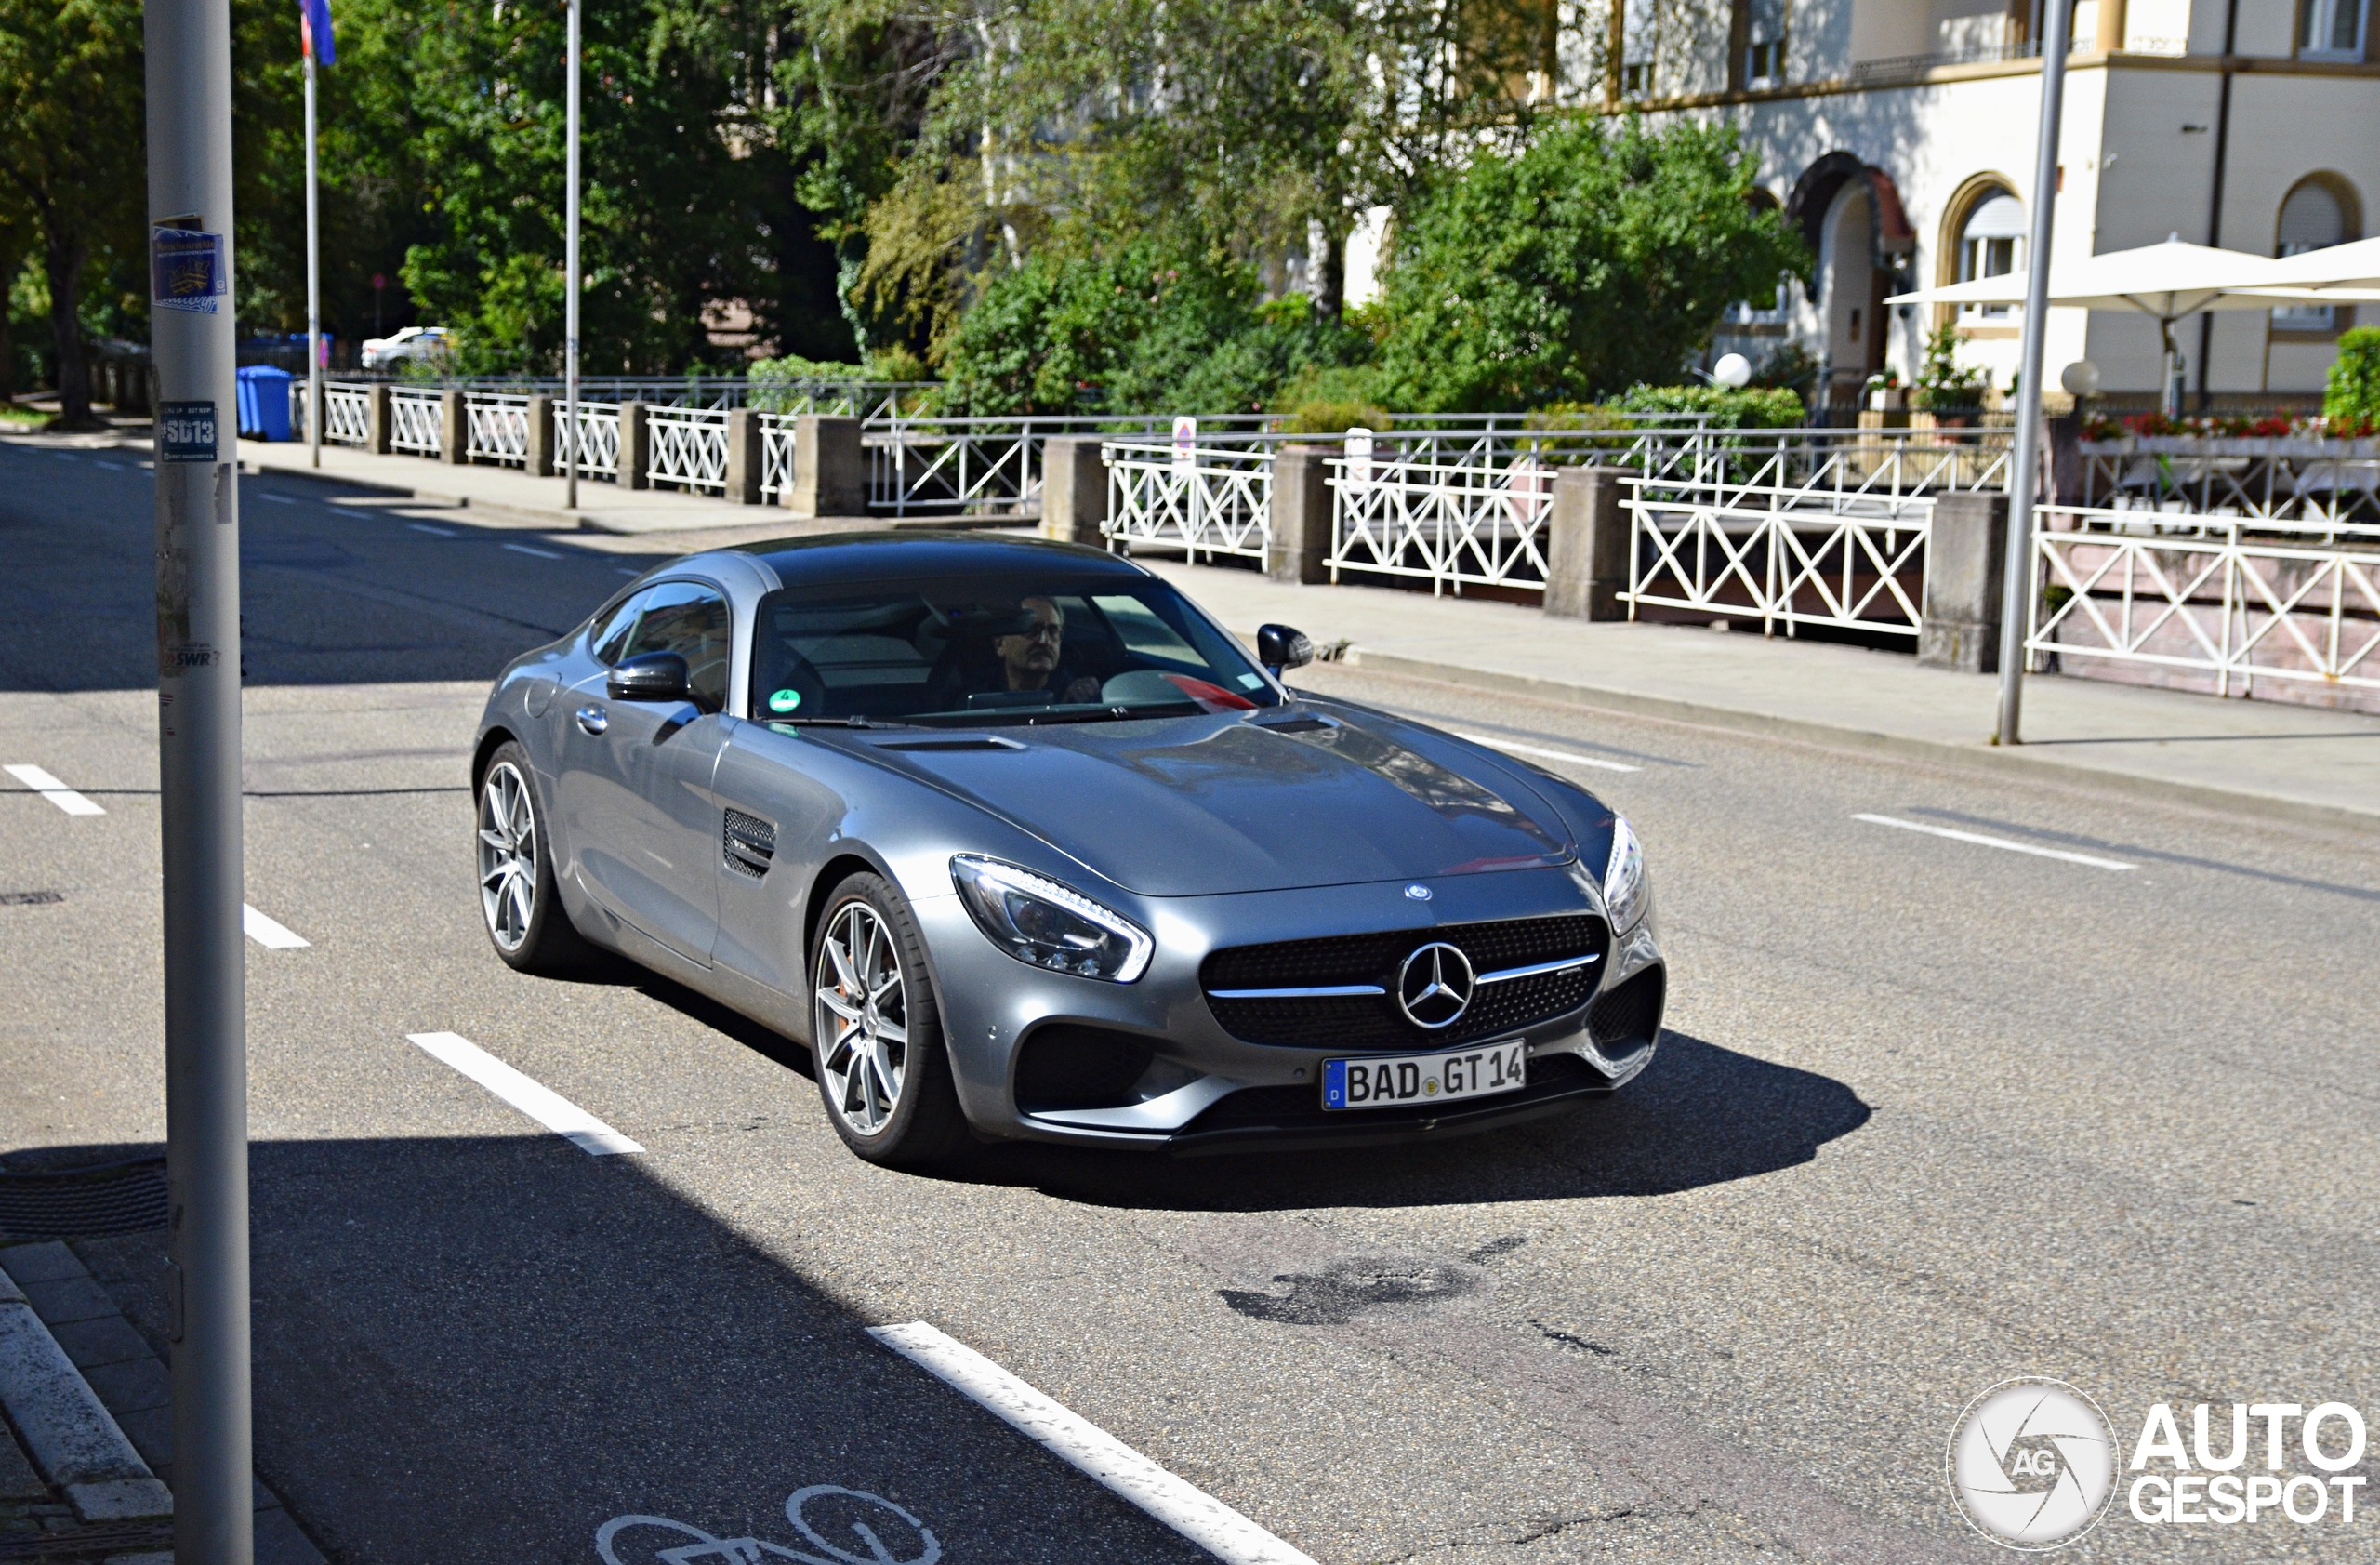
(1930, 1114)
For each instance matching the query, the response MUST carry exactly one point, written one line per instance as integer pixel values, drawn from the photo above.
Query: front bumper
(1206, 1090)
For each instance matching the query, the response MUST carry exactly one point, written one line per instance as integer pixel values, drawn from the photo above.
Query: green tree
(1591, 260)
(19, 233)
(2352, 393)
(71, 98)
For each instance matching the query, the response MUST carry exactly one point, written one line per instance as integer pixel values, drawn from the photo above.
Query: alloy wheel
(507, 855)
(862, 1019)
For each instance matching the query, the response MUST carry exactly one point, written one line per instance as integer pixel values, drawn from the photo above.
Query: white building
(1898, 136)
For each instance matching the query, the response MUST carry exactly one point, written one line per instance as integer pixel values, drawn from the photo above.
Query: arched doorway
(1851, 215)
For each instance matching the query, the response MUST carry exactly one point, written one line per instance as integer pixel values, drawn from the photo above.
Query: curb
(1980, 758)
(118, 1386)
(71, 1437)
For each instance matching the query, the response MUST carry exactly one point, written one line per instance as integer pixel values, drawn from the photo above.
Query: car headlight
(1035, 919)
(1624, 895)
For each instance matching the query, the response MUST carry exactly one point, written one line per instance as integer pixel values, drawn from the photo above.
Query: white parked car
(412, 342)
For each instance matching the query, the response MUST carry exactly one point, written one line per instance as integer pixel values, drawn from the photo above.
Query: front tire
(883, 1070)
(519, 901)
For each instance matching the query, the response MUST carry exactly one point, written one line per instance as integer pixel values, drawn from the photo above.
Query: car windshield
(979, 651)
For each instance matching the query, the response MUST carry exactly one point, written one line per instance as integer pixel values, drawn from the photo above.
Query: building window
(2332, 30)
(2311, 218)
(1764, 43)
(1636, 49)
(1991, 244)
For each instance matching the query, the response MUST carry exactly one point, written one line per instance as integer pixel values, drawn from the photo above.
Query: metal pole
(313, 284)
(570, 283)
(188, 55)
(2016, 594)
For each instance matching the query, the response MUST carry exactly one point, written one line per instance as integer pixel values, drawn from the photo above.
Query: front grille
(1625, 1020)
(1374, 1021)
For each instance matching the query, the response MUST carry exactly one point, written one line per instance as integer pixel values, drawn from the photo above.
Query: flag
(315, 23)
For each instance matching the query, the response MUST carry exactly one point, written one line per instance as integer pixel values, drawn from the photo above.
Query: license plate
(1392, 1081)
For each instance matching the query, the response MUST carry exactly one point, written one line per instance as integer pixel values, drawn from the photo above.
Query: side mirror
(1282, 646)
(649, 676)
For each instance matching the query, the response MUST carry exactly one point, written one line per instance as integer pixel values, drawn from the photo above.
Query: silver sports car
(1022, 845)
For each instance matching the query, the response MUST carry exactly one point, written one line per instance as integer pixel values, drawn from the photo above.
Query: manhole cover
(85, 1202)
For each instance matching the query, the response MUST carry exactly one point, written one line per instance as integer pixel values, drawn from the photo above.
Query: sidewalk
(2284, 762)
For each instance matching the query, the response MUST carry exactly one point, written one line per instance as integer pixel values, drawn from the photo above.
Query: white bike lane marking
(57, 792)
(270, 934)
(1189, 1510)
(880, 1539)
(1540, 752)
(1979, 839)
(531, 1097)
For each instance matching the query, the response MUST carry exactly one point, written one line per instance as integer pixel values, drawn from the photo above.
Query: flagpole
(313, 278)
(570, 285)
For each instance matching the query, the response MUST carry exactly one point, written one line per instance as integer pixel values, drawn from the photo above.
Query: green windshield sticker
(784, 700)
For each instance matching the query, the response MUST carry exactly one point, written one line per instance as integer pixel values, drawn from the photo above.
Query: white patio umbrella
(2165, 281)
(2355, 266)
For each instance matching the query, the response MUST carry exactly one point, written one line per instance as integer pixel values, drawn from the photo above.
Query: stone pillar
(1965, 559)
(1300, 514)
(454, 429)
(829, 468)
(636, 447)
(743, 459)
(384, 426)
(1073, 490)
(542, 460)
(1586, 544)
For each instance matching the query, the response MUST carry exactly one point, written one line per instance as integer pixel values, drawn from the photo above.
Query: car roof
(836, 557)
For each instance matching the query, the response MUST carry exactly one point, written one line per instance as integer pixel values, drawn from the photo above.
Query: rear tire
(883, 1066)
(519, 901)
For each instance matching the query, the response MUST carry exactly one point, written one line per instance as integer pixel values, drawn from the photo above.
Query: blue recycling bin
(264, 402)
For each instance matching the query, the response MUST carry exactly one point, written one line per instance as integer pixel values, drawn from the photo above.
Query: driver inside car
(1029, 655)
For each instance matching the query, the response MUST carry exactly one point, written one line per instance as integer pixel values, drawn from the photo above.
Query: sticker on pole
(188, 266)
(186, 432)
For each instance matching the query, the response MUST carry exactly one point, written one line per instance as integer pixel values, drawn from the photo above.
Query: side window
(691, 620)
(613, 634)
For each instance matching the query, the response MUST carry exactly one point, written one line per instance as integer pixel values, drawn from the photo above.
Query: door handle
(592, 717)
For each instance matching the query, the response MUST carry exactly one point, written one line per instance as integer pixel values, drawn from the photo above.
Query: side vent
(750, 843)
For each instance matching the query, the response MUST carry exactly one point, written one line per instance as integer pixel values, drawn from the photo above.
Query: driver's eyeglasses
(1045, 633)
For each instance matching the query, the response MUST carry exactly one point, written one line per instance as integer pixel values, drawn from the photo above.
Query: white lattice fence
(687, 446)
(776, 457)
(597, 438)
(1455, 525)
(413, 422)
(1217, 501)
(347, 415)
(496, 428)
(1787, 565)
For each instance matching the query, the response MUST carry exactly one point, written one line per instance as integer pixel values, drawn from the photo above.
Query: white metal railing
(688, 446)
(2303, 607)
(2293, 480)
(598, 438)
(413, 422)
(1200, 498)
(347, 414)
(776, 457)
(1765, 554)
(1457, 527)
(496, 428)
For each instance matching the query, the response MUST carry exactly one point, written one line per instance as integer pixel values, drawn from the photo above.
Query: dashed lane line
(1542, 753)
(433, 532)
(272, 936)
(114, 467)
(531, 1097)
(1979, 839)
(540, 553)
(277, 500)
(1190, 1511)
(57, 792)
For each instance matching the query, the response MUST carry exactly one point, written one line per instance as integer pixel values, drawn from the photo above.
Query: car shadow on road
(481, 1349)
(1701, 1114)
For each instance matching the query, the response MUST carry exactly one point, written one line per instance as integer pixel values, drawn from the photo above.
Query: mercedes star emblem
(1433, 987)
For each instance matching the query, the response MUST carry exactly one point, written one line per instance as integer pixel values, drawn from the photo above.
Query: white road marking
(277, 500)
(1981, 841)
(540, 553)
(57, 792)
(534, 1098)
(112, 467)
(625, 571)
(1190, 1511)
(271, 935)
(1544, 754)
(426, 527)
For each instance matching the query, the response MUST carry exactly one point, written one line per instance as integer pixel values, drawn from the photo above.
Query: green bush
(1591, 260)
(1754, 407)
(2353, 393)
